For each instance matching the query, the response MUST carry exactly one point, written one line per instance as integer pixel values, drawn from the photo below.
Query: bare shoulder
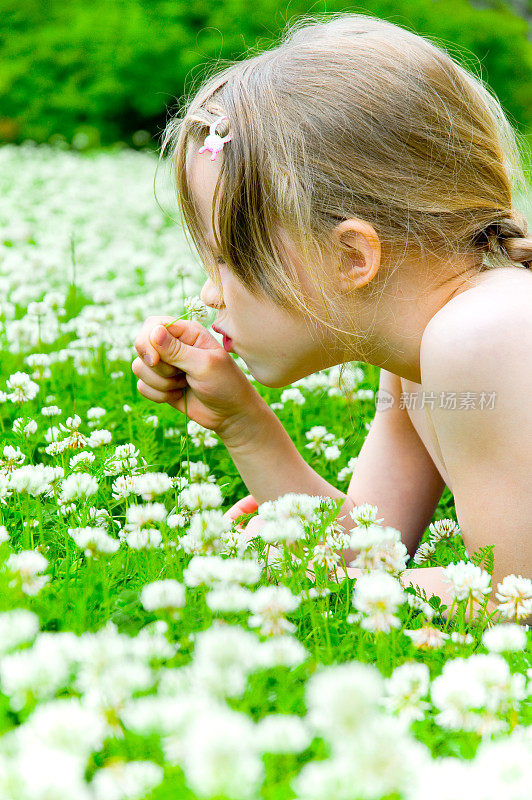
(479, 328)
(476, 355)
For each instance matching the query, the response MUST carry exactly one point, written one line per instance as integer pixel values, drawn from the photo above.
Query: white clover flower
(229, 598)
(292, 395)
(341, 700)
(404, 691)
(325, 555)
(130, 780)
(67, 724)
(503, 766)
(99, 438)
(201, 495)
(332, 453)
(166, 593)
(220, 756)
(78, 486)
(96, 412)
(380, 548)
(137, 516)
(11, 458)
(382, 761)
(213, 569)
(346, 472)
(37, 480)
(378, 596)
(318, 437)
(123, 487)
(94, 540)
(365, 515)
(71, 424)
(467, 580)
(424, 552)
(176, 521)
(27, 563)
(269, 604)
(514, 594)
(199, 472)
(17, 627)
(152, 484)
(322, 442)
(21, 388)
(443, 529)
(39, 671)
(25, 429)
(26, 566)
(471, 692)
(143, 538)
(52, 434)
(101, 516)
(427, 637)
(504, 638)
(82, 458)
(51, 411)
(4, 534)
(201, 436)
(282, 733)
(124, 459)
(196, 309)
(303, 506)
(224, 656)
(288, 531)
(281, 651)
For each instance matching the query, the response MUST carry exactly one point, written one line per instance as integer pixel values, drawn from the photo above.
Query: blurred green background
(95, 73)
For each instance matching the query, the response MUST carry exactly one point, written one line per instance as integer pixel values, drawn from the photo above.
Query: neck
(396, 320)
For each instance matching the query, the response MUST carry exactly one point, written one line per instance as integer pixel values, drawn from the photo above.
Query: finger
(153, 379)
(157, 396)
(246, 505)
(172, 350)
(193, 333)
(147, 352)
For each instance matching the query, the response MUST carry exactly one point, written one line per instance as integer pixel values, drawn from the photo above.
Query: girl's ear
(359, 253)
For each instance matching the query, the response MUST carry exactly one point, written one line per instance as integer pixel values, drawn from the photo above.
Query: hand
(247, 505)
(187, 358)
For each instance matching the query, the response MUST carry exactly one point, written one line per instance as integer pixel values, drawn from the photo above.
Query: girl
(350, 193)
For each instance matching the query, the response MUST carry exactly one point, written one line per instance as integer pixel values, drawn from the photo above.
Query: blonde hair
(351, 116)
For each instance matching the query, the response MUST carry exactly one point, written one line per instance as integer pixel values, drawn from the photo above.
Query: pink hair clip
(213, 142)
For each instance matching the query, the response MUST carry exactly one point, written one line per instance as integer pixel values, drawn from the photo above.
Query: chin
(274, 380)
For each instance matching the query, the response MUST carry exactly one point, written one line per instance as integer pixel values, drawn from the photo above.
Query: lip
(227, 341)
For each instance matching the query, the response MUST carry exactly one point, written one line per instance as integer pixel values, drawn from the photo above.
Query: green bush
(109, 68)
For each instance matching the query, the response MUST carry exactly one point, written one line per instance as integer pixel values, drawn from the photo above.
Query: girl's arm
(394, 470)
(269, 462)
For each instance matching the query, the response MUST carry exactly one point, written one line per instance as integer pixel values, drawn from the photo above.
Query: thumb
(173, 351)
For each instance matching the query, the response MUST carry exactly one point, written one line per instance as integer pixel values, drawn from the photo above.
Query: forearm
(270, 464)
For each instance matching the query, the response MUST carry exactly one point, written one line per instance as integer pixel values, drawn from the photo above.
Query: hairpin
(213, 142)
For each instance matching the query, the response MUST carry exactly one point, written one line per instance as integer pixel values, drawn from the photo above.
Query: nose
(209, 295)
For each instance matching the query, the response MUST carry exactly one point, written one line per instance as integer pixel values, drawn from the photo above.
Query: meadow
(148, 649)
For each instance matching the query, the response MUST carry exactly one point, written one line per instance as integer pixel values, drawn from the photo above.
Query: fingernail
(161, 335)
(148, 360)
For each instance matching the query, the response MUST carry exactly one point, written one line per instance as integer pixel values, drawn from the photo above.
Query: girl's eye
(219, 260)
